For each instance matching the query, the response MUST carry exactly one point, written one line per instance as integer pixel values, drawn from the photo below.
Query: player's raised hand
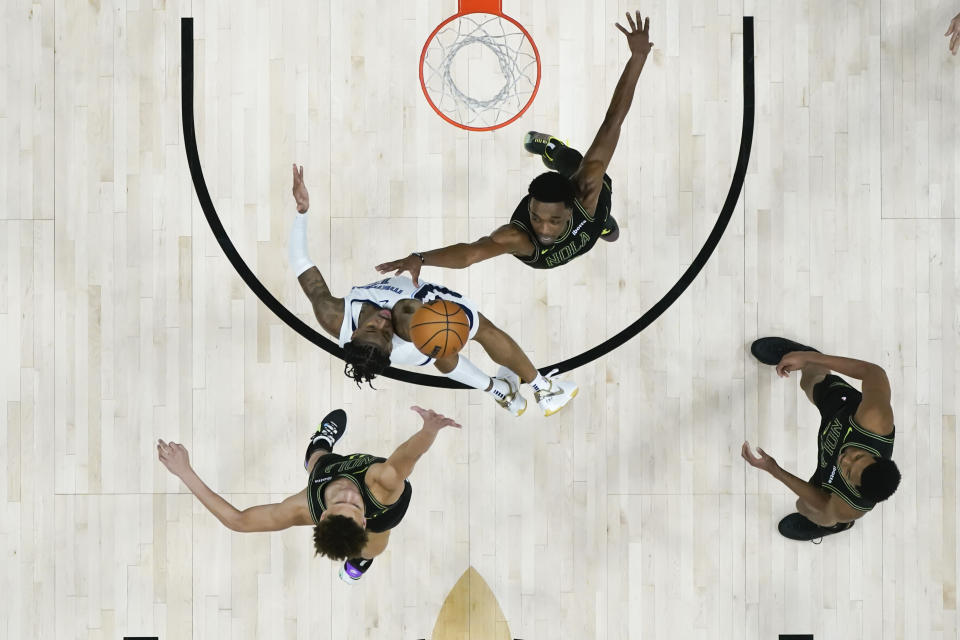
(411, 263)
(954, 31)
(433, 420)
(174, 457)
(300, 190)
(637, 38)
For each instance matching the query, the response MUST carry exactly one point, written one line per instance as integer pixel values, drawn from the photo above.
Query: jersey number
(435, 290)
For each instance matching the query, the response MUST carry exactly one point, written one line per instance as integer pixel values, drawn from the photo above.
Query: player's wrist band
(419, 255)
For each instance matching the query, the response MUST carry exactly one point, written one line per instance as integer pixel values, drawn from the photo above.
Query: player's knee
(447, 363)
(485, 329)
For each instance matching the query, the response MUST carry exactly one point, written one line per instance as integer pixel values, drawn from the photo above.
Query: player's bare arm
(268, 517)
(874, 413)
(816, 499)
(327, 308)
(505, 239)
(589, 177)
(391, 475)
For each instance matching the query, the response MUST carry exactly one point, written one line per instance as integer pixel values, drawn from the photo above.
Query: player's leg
(551, 394)
(331, 428)
(770, 351)
(556, 155)
(504, 389)
(811, 376)
(502, 349)
(354, 568)
(376, 544)
(611, 230)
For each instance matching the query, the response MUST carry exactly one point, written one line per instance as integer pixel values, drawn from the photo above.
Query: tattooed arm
(327, 309)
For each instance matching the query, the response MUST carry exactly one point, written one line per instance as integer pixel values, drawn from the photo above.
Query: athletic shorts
(392, 518)
(835, 397)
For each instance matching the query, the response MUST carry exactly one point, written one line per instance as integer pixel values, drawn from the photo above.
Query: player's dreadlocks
(364, 362)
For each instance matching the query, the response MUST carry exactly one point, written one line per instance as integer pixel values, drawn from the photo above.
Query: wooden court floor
(628, 515)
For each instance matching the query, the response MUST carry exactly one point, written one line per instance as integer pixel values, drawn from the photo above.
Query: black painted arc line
(213, 219)
(733, 195)
(699, 261)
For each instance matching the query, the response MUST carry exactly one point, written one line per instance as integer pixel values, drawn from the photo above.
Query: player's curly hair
(553, 187)
(339, 538)
(364, 362)
(879, 480)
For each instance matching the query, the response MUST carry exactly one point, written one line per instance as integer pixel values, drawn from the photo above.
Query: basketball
(439, 329)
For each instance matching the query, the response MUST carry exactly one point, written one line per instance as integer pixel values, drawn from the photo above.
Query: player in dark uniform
(854, 469)
(567, 209)
(352, 501)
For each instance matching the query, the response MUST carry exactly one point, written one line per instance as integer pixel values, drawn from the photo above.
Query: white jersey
(385, 294)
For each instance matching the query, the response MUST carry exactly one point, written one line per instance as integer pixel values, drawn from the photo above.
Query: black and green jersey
(354, 467)
(836, 434)
(581, 234)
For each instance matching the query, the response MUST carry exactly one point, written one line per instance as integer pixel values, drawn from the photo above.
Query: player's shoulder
(841, 511)
(513, 238)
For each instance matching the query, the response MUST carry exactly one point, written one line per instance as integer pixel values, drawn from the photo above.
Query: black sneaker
(543, 145)
(798, 527)
(330, 430)
(771, 350)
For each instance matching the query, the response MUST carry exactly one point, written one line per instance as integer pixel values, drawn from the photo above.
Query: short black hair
(879, 480)
(364, 361)
(339, 538)
(553, 187)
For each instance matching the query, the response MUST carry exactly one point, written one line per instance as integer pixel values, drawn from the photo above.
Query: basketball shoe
(798, 527)
(771, 350)
(330, 430)
(556, 396)
(353, 569)
(543, 145)
(514, 402)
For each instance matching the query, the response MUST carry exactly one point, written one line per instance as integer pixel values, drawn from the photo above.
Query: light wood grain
(628, 515)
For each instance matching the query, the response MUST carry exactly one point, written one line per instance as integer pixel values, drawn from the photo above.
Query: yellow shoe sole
(573, 395)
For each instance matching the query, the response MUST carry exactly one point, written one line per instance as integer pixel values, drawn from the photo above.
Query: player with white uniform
(385, 294)
(372, 324)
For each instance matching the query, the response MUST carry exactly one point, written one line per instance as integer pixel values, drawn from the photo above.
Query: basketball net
(502, 89)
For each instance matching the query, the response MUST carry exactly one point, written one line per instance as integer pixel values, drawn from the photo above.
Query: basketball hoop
(479, 69)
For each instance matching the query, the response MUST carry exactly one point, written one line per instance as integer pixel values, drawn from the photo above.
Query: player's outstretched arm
(506, 239)
(327, 308)
(267, 517)
(391, 474)
(589, 177)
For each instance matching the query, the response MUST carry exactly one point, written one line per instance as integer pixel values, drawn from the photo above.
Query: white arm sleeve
(299, 261)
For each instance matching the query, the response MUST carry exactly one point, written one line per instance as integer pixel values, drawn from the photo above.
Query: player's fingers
(646, 26)
(633, 25)
(954, 41)
(624, 31)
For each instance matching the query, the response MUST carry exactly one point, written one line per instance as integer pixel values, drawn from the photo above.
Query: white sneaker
(349, 573)
(515, 403)
(557, 396)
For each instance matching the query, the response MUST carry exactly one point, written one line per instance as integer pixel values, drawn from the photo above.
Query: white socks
(540, 383)
(468, 373)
